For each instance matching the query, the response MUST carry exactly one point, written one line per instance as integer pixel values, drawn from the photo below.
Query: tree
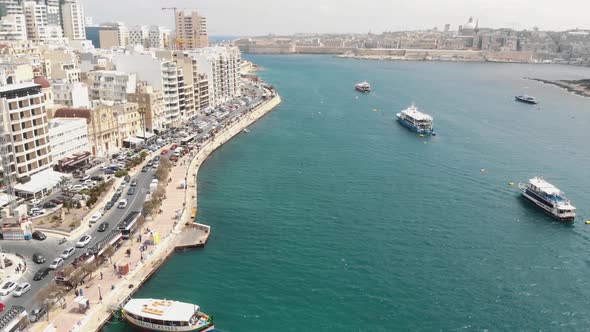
(51, 296)
(109, 252)
(89, 268)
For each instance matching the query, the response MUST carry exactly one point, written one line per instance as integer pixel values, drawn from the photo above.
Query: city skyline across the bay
(332, 16)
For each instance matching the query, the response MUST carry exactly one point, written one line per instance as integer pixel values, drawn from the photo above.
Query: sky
(261, 17)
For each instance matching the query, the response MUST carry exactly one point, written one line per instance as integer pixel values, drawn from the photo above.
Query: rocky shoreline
(578, 87)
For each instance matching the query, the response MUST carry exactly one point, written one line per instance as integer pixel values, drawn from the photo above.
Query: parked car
(36, 212)
(103, 226)
(95, 217)
(131, 191)
(58, 200)
(109, 205)
(109, 171)
(145, 169)
(7, 288)
(35, 202)
(37, 313)
(56, 263)
(164, 152)
(97, 178)
(43, 272)
(122, 204)
(38, 258)
(21, 289)
(127, 178)
(67, 253)
(84, 178)
(49, 205)
(78, 187)
(133, 183)
(84, 240)
(38, 235)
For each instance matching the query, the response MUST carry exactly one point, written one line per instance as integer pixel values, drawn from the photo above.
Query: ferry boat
(363, 87)
(417, 121)
(549, 198)
(164, 315)
(526, 99)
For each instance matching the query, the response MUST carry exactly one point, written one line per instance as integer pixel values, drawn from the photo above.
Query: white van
(122, 203)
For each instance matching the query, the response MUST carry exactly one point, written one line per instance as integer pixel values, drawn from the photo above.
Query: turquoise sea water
(330, 216)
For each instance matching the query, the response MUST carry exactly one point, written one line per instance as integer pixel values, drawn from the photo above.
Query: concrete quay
(176, 228)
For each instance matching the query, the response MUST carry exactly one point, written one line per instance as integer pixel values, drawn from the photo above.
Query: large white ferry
(549, 198)
(417, 121)
(164, 315)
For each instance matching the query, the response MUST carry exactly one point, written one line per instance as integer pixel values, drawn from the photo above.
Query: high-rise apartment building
(138, 35)
(191, 30)
(221, 65)
(22, 108)
(73, 20)
(158, 37)
(113, 35)
(151, 106)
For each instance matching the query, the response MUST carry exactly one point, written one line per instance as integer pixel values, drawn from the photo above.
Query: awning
(148, 135)
(133, 140)
(44, 180)
(74, 159)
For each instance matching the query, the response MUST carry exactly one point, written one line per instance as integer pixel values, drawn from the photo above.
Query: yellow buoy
(587, 222)
(510, 183)
(421, 135)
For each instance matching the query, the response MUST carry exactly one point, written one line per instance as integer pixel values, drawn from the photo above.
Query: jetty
(175, 227)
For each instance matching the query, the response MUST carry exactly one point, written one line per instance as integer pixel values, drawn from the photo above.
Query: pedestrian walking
(81, 292)
(115, 266)
(100, 275)
(76, 292)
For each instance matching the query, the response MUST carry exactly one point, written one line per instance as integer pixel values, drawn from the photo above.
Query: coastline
(580, 88)
(100, 312)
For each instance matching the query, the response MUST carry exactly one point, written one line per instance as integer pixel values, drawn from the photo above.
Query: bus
(185, 141)
(129, 224)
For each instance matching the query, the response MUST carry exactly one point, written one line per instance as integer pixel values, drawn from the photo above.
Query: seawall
(100, 314)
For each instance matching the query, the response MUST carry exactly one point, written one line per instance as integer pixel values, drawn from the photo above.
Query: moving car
(95, 217)
(38, 235)
(7, 288)
(38, 258)
(67, 253)
(103, 226)
(42, 273)
(131, 191)
(56, 263)
(122, 204)
(84, 240)
(21, 289)
(133, 183)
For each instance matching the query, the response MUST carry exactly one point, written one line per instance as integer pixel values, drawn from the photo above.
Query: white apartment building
(138, 35)
(68, 136)
(109, 86)
(13, 27)
(74, 24)
(71, 94)
(158, 37)
(221, 65)
(163, 75)
(22, 108)
(42, 20)
(13, 6)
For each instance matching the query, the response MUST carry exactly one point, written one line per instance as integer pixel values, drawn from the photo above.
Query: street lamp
(99, 294)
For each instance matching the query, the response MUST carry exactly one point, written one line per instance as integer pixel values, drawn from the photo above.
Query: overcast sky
(257, 17)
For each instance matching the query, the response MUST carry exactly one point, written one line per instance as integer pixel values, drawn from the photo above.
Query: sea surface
(330, 216)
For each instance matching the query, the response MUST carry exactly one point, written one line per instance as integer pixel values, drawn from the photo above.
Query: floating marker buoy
(482, 170)
(587, 222)
(421, 135)
(510, 183)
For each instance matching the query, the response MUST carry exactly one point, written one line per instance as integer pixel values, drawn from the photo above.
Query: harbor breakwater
(101, 313)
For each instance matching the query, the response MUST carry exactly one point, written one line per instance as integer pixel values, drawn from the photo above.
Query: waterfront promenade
(105, 289)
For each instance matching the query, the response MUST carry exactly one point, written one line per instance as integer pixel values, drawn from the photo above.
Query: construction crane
(175, 9)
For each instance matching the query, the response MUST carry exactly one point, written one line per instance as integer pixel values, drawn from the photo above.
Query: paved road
(51, 249)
